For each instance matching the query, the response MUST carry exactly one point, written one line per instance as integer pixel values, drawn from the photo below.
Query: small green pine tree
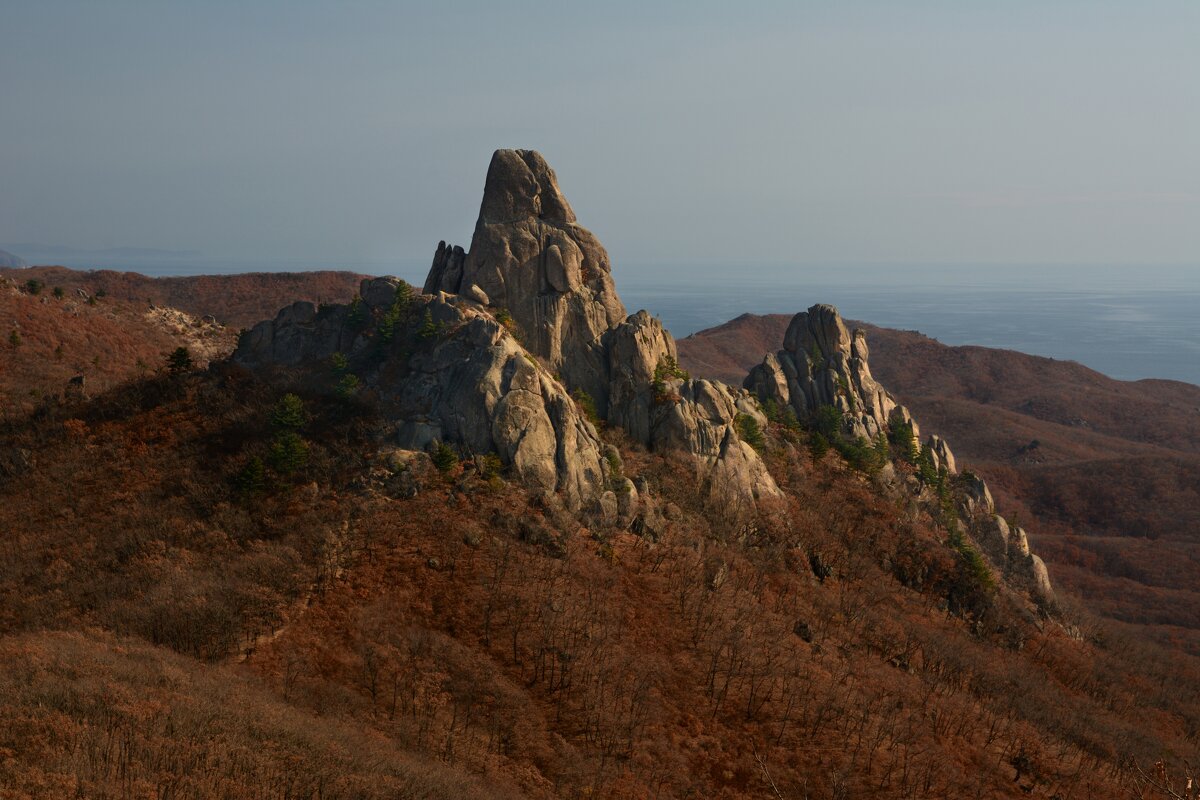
(428, 328)
(251, 479)
(288, 452)
(357, 315)
(588, 406)
(289, 413)
(348, 386)
(750, 432)
(444, 458)
(180, 360)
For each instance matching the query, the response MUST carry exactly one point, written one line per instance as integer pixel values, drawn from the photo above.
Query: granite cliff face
(823, 365)
(445, 371)
(510, 339)
(663, 408)
(530, 257)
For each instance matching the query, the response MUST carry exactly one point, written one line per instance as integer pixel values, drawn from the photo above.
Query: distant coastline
(1128, 324)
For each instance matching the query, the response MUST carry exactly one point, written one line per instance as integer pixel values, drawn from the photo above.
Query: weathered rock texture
(530, 257)
(449, 373)
(822, 364)
(665, 410)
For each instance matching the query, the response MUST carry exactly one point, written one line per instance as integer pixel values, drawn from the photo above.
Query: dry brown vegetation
(1104, 473)
(237, 301)
(325, 633)
(48, 338)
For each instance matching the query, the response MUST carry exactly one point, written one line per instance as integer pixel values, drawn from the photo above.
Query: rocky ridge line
(824, 365)
(508, 337)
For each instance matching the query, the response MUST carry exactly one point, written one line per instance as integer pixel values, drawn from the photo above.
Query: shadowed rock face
(534, 283)
(471, 384)
(529, 257)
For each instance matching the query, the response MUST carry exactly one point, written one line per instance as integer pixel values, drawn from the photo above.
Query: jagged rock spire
(823, 364)
(529, 257)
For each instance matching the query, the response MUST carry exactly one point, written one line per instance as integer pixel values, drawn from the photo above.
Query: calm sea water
(1127, 334)
(1128, 322)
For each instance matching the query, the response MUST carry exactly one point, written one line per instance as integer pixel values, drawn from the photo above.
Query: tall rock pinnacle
(529, 257)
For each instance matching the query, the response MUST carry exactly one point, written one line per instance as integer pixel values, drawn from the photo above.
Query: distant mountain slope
(49, 338)
(10, 261)
(110, 326)
(1110, 470)
(238, 301)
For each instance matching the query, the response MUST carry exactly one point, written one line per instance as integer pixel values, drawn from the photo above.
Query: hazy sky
(691, 132)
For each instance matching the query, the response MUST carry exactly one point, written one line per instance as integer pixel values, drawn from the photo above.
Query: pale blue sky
(684, 133)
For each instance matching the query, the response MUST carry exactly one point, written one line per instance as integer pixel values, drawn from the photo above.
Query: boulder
(378, 292)
(635, 350)
(477, 295)
(1041, 578)
(942, 456)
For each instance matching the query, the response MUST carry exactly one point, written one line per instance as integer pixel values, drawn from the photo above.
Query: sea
(1127, 321)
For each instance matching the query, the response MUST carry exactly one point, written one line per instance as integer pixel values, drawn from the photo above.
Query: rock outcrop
(504, 342)
(530, 257)
(823, 365)
(530, 260)
(447, 372)
(663, 408)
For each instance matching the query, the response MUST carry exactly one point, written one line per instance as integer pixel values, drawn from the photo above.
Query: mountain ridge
(428, 562)
(1017, 420)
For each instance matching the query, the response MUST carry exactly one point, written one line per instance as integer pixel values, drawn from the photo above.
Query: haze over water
(1127, 322)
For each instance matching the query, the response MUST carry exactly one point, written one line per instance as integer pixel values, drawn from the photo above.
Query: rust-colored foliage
(334, 631)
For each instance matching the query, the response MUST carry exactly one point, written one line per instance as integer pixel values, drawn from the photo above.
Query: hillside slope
(492, 540)
(1104, 471)
(237, 301)
(51, 337)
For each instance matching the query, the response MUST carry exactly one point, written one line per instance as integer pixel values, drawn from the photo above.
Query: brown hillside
(48, 339)
(1103, 471)
(110, 326)
(351, 628)
(237, 301)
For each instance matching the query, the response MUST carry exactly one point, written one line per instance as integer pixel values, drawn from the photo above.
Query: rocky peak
(529, 257)
(824, 365)
(503, 342)
(520, 185)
